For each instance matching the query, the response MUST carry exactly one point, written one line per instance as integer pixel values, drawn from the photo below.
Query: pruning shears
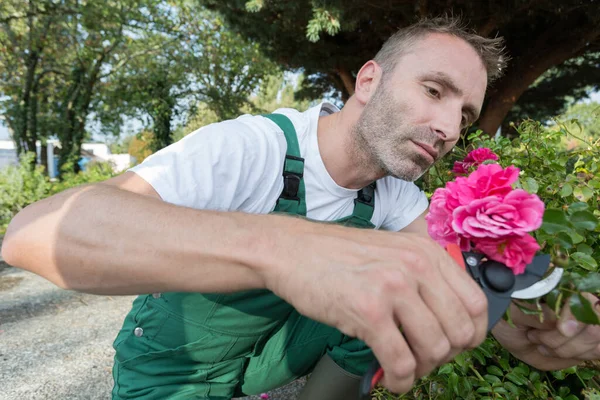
(499, 284)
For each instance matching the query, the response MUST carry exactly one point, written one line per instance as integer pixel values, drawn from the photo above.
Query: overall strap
(292, 198)
(364, 205)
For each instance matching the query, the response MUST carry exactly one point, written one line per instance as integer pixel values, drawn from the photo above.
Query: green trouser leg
(329, 381)
(183, 345)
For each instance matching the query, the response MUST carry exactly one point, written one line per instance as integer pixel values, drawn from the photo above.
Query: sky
(4, 132)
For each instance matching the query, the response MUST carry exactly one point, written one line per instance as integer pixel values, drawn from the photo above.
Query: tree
(331, 39)
(55, 57)
(199, 61)
(27, 63)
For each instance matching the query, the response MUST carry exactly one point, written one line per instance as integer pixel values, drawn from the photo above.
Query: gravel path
(57, 344)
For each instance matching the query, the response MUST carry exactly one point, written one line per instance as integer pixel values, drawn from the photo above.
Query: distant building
(89, 152)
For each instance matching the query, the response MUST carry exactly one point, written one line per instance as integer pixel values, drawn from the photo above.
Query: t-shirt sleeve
(408, 203)
(227, 166)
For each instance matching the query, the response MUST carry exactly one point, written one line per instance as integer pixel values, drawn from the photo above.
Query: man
(237, 303)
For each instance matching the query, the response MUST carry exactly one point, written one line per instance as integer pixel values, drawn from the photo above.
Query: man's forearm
(102, 239)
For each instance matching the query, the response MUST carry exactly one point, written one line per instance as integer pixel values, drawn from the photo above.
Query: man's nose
(448, 125)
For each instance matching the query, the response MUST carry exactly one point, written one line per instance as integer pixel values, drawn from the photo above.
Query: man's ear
(367, 80)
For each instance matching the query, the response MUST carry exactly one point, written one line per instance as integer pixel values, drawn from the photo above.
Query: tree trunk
(347, 80)
(525, 71)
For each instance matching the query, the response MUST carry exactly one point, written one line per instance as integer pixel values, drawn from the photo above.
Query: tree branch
(347, 80)
(528, 68)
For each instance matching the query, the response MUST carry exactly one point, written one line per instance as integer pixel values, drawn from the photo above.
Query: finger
(423, 332)
(568, 324)
(505, 333)
(568, 327)
(566, 352)
(470, 294)
(450, 312)
(394, 356)
(519, 318)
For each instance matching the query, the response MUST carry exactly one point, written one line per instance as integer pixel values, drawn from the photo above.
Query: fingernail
(543, 351)
(570, 328)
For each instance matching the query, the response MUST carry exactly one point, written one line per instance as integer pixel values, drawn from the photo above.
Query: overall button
(156, 295)
(138, 331)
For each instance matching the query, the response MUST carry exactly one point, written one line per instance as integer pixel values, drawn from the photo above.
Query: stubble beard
(381, 139)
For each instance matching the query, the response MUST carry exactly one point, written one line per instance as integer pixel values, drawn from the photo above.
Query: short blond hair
(491, 51)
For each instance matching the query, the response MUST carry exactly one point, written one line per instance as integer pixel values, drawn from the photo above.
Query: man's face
(416, 114)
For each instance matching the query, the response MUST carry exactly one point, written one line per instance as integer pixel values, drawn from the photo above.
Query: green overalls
(219, 346)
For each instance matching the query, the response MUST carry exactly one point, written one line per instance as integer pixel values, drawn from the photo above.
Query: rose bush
(568, 184)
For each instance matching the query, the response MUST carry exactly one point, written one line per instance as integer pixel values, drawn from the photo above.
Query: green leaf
(512, 387)
(492, 369)
(477, 355)
(584, 248)
(564, 240)
(583, 310)
(461, 359)
(534, 376)
(566, 190)
(554, 221)
(501, 390)
(530, 185)
(445, 369)
(453, 382)
(584, 220)
(589, 283)
(583, 193)
(586, 373)
(521, 369)
(585, 260)
(504, 363)
(576, 237)
(516, 379)
(558, 375)
(491, 378)
(579, 206)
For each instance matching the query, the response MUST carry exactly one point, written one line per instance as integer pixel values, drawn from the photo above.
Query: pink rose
(473, 160)
(513, 251)
(439, 222)
(493, 217)
(487, 180)
(483, 210)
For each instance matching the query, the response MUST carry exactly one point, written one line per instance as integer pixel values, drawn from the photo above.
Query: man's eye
(433, 92)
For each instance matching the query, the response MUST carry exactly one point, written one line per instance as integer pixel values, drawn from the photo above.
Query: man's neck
(346, 162)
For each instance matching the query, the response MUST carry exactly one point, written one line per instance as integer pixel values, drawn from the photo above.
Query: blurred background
(113, 81)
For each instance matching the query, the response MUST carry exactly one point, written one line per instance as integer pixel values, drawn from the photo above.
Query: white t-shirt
(237, 165)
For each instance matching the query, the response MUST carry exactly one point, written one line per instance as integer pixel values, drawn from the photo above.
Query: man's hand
(368, 284)
(554, 344)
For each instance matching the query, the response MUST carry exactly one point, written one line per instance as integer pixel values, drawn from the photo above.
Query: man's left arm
(557, 343)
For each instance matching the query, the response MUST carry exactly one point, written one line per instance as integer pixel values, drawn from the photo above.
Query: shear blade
(541, 287)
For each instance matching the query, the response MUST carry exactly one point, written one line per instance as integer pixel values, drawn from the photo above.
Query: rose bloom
(483, 210)
(493, 217)
(473, 159)
(513, 251)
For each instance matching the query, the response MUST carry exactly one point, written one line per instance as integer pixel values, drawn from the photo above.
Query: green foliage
(330, 40)
(22, 185)
(568, 182)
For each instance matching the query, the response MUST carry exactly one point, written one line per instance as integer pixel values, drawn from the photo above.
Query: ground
(57, 344)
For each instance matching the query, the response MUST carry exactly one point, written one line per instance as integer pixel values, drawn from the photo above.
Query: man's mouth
(428, 150)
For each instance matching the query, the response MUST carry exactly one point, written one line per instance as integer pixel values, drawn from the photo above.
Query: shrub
(21, 185)
(568, 182)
